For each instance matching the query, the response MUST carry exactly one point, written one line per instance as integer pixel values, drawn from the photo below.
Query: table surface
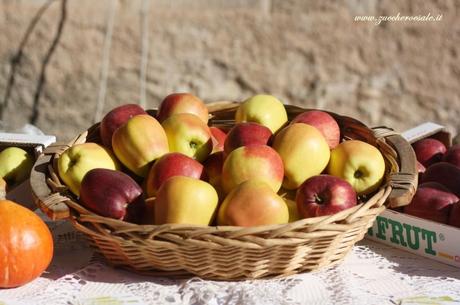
(372, 273)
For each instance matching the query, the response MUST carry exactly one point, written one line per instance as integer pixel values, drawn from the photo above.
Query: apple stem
(318, 199)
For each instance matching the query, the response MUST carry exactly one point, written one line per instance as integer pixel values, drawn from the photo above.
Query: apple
(453, 155)
(256, 161)
(112, 193)
(429, 151)
(185, 200)
(264, 109)
(139, 142)
(304, 151)
(115, 118)
(189, 135)
(324, 195)
(243, 134)
(15, 165)
(454, 217)
(431, 201)
(3, 187)
(213, 171)
(359, 163)
(444, 173)
(76, 161)
(252, 203)
(325, 123)
(218, 137)
(169, 165)
(182, 103)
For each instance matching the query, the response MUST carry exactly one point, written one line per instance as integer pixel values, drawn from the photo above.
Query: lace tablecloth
(372, 273)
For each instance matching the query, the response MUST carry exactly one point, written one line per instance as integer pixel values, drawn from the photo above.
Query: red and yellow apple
(243, 134)
(139, 142)
(324, 122)
(304, 151)
(252, 203)
(182, 103)
(218, 137)
(76, 161)
(264, 109)
(189, 135)
(115, 118)
(185, 200)
(253, 162)
(359, 163)
(170, 165)
(324, 195)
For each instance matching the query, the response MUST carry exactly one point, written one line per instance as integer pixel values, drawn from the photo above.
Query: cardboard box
(34, 144)
(420, 236)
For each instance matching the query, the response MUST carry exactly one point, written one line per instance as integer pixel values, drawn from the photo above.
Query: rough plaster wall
(308, 53)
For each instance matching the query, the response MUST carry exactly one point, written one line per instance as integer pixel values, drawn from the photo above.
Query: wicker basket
(216, 252)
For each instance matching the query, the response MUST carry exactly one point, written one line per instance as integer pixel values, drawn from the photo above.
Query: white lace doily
(372, 273)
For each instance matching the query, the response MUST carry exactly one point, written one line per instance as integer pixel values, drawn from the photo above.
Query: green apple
(264, 109)
(15, 164)
(189, 135)
(185, 200)
(359, 163)
(76, 161)
(304, 151)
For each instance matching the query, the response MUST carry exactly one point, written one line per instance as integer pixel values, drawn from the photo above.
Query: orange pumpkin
(26, 245)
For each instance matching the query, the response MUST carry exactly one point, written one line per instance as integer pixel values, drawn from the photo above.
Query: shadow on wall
(16, 59)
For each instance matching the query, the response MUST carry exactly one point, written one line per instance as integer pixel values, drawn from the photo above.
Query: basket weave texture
(226, 252)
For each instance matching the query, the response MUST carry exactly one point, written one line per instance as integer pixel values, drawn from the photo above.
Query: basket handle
(404, 182)
(51, 203)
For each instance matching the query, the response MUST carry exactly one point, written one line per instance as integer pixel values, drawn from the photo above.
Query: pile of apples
(263, 170)
(438, 193)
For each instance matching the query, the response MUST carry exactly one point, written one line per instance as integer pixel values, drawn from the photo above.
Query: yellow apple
(15, 164)
(76, 161)
(252, 203)
(185, 200)
(2, 188)
(264, 109)
(304, 151)
(359, 163)
(189, 135)
(139, 142)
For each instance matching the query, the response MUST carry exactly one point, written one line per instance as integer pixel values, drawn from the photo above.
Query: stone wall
(310, 53)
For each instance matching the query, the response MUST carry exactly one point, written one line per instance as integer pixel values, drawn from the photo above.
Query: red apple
(170, 165)
(429, 151)
(218, 137)
(431, 201)
(213, 171)
(454, 217)
(243, 134)
(115, 118)
(324, 122)
(113, 194)
(182, 103)
(324, 195)
(453, 155)
(444, 173)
